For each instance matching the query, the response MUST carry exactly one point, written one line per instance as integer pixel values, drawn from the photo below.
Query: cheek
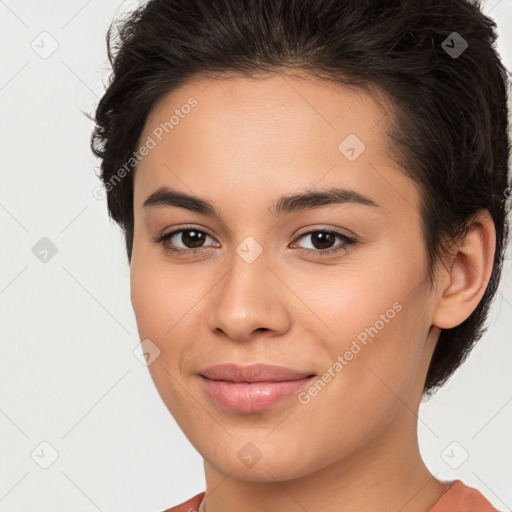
(372, 324)
(148, 302)
(160, 296)
(161, 316)
(166, 302)
(344, 302)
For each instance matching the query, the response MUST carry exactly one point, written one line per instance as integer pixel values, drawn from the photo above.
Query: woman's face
(268, 284)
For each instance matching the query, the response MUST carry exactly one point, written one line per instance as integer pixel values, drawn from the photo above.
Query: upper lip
(252, 373)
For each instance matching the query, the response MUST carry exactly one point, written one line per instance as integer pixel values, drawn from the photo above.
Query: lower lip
(253, 396)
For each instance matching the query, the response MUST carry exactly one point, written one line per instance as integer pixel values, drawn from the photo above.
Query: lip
(252, 388)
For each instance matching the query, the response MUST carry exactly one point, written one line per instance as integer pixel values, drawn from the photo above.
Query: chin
(268, 471)
(258, 460)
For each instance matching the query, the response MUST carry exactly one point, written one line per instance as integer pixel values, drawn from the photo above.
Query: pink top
(458, 498)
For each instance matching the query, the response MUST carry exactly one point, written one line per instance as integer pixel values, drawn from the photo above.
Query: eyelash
(317, 253)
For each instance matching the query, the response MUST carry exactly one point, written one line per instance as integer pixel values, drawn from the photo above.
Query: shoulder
(462, 498)
(188, 506)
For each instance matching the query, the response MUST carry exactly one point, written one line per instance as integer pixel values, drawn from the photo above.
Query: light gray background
(68, 375)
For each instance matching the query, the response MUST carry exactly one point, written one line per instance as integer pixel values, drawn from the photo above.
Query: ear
(462, 284)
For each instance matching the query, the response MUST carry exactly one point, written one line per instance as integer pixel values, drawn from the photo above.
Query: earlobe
(463, 285)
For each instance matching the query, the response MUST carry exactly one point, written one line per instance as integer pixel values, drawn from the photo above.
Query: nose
(248, 300)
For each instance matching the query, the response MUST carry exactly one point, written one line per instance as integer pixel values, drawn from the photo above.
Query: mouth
(253, 388)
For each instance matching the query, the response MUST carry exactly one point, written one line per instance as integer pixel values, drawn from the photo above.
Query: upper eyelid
(186, 228)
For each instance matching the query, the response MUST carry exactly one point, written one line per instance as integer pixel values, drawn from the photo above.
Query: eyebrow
(167, 197)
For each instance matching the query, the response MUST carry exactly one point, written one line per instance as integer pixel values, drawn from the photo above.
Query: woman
(313, 194)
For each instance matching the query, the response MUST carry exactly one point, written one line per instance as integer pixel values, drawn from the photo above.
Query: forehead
(300, 105)
(266, 132)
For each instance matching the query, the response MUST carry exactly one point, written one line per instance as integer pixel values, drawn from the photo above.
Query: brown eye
(184, 240)
(322, 239)
(322, 242)
(192, 238)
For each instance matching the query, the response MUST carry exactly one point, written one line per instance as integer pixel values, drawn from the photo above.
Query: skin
(248, 142)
